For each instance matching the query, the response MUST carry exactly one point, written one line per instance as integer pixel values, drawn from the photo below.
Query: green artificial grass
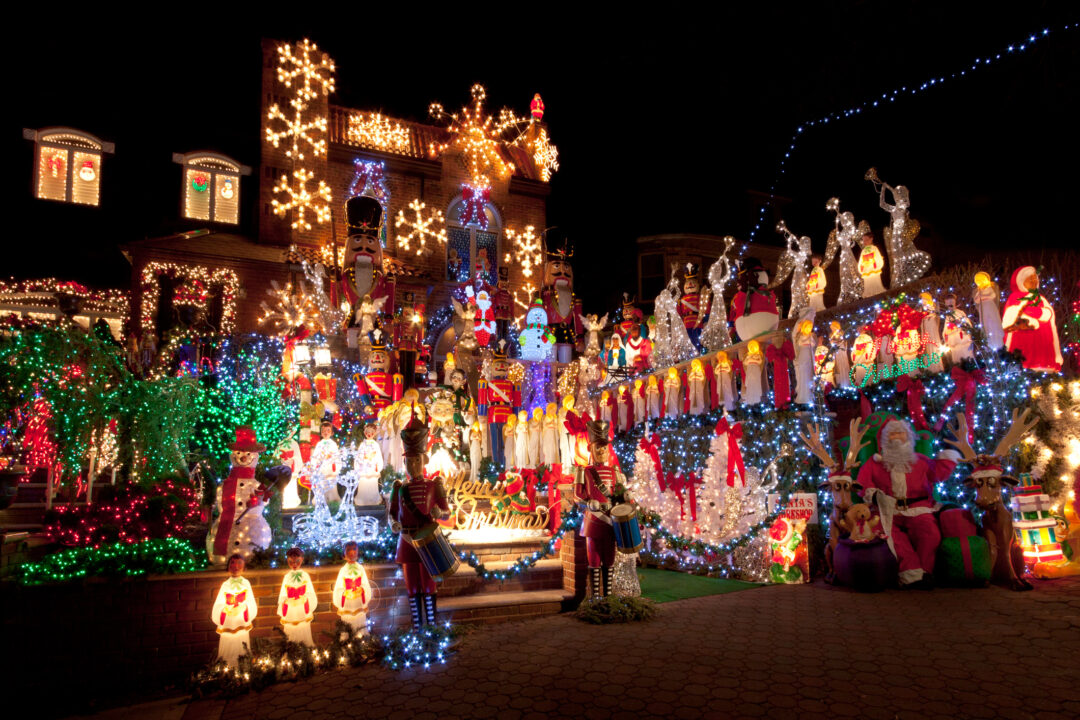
(665, 585)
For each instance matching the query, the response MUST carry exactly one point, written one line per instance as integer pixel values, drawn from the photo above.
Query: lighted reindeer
(1006, 557)
(839, 484)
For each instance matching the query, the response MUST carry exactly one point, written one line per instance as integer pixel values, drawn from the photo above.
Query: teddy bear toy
(859, 524)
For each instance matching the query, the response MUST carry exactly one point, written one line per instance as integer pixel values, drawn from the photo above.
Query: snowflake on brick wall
(528, 252)
(311, 77)
(301, 200)
(545, 155)
(303, 133)
(421, 228)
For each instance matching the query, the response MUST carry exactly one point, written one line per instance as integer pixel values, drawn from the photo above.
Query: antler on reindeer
(960, 431)
(1017, 430)
(812, 439)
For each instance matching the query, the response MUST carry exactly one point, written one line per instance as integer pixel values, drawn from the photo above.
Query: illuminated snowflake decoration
(479, 136)
(523, 300)
(312, 78)
(302, 201)
(422, 228)
(302, 133)
(290, 308)
(528, 252)
(377, 131)
(545, 155)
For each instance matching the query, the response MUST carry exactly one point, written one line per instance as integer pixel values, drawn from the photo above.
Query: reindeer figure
(839, 484)
(1006, 557)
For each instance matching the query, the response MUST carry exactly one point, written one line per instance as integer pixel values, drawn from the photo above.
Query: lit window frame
(495, 226)
(216, 166)
(72, 142)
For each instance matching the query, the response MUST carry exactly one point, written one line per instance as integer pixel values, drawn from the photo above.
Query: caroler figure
(233, 613)
(986, 296)
(297, 600)
(352, 591)
(871, 265)
(1029, 323)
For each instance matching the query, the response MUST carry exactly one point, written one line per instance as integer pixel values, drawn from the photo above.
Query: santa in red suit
(693, 306)
(600, 486)
(1029, 322)
(563, 309)
(753, 309)
(899, 482)
(363, 255)
(378, 387)
(414, 505)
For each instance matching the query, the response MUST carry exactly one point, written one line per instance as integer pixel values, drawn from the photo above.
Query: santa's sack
(963, 561)
(866, 567)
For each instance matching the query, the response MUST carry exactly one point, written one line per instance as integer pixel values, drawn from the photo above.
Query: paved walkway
(778, 652)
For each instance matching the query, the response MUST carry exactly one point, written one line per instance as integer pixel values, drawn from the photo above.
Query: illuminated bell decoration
(87, 172)
(199, 183)
(301, 354)
(322, 356)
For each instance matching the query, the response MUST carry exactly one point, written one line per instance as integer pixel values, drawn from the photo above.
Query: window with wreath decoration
(192, 291)
(472, 233)
(211, 189)
(68, 165)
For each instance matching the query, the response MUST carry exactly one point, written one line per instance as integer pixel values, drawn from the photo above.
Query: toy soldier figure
(363, 255)
(563, 308)
(498, 398)
(600, 486)
(692, 306)
(413, 504)
(379, 387)
(504, 308)
(410, 336)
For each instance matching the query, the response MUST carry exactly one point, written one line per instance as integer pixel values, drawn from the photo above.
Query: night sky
(663, 121)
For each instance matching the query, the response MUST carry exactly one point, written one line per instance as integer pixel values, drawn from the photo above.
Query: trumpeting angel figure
(793, 262)
(593, 328)
(716, 334)
(906, 262)
(842, 239)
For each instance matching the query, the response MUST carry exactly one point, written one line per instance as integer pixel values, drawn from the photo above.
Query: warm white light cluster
(315, 77)
(1060, 403)
(545, 155)
(331, 317)
(375, 130)
(291, 308)
(302, 200)
(523, 300)
(424, 226)
(302, 133)
(527, 249)
(478, 136)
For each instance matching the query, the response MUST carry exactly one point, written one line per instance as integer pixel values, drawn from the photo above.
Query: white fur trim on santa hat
(948, 455)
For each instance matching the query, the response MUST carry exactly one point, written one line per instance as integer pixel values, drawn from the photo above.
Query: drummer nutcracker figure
(379, 387)
(415, 502)
(363, 255)
(297, 600)
(693, 306)
(497, 398)
(233, 612)
(410, 336)
(352, 591)
(600, 487)
(563, 308)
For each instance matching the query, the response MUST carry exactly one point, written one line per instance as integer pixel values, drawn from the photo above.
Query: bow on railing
(736, 470)
(915, 390)
(965, 383)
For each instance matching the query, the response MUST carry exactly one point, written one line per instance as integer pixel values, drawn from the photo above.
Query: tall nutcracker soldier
(410, 337)
(503, 302)
(363, 255)
(379, 387)
(563, 308)
(600, 487)
(414, 504)
(693, 306)
(498, 398)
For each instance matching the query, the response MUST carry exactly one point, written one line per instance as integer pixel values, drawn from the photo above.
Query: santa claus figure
(368, 463)
(1030, 325)
(378, 388)
(240, 527)
(753, 309)
(297, 600)
(233, 613)
(537, 107)
(352, 591)
(484, 328)
(956, 331)
(986, 297)
(363, 255)
(693, 305)
(563, 308)
(600, 487)
(871, 265)
(899, 482)
(815, 284)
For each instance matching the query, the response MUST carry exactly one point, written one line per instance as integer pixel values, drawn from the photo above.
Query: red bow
(910, 318)
(295, 593)
(915, 390)
(650, 445)
(689, 483)
(735, 466)
(475, 198)
(575, 425)
(965, 383)
(236, 599)
(882, 325)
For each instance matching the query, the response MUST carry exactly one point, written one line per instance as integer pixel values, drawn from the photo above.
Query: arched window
(68, 164)
(211, 186)
(470, 238)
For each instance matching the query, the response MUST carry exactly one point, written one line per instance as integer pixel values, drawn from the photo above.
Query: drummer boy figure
(600, 487)
(413, 502)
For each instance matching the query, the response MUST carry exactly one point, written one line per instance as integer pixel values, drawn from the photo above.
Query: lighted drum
(627, 531)
(436, 552)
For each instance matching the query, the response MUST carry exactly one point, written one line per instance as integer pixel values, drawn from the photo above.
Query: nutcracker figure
(753, 309)
(297, 600)
(378, 388)
(600, 487)
(410, 336)
(363, 255)
(503, 302)
(352, 591)
(563, 308)
(415, 502)
(693, 305)
(498, 398)
(871, 265)
(233, 613)
(631, 318)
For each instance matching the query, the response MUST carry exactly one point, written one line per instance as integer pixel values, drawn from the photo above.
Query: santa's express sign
(801, 506)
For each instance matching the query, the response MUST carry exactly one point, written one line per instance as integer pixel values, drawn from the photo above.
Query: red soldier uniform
(363, 255)
(503, 302)
(379, 387)
(497, 399)
(562, 307)
(596, 487)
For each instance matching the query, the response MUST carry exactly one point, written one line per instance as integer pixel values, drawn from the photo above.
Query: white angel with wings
(593, 327)
(841, 240)
(368, 310)
(716, 334)
(906, 262)
(793, 262)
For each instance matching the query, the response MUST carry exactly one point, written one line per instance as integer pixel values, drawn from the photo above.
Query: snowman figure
(240, 526)
(537, 340)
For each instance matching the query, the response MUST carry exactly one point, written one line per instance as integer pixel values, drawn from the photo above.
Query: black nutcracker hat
(414, 437)
(598, 432)
(363, 215)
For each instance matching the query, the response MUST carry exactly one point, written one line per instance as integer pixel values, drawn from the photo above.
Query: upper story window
(211, 189)
(472, 240)
(68, 164)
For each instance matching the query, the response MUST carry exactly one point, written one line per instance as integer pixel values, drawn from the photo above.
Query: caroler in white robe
(652, 396)
(510, 442)
(752, 367)
(476, 450)
(234, 612)
(549, 437)
(956, 335)
(521, 441)
(368, 462)
(986, 296)
(802, 338)
(296, 606)
(607, 407)
(725, 383)
(641, 414)
(931, 328)
(352, 594)
(695, 380)
(673, 401)
(535, 432)
(625, 408)
(841, 362)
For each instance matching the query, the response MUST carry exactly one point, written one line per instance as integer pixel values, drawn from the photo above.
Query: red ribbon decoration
(915, 391)
(734, 454)
(882, 325)
(965, 383)
(475, 198)
(688, 484)
(779, 357)
(650, 445)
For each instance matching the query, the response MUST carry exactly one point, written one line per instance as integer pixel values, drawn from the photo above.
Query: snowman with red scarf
(240, 526)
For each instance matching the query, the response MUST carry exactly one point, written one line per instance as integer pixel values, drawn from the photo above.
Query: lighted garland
(675, 543)
(156, 557)
(571, 520)
(227, 279)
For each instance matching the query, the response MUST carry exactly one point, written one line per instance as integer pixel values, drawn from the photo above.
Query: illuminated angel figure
(672, 343)
(793, 262)
(716, 334)
(908, 263)
(593, 328)
(841, 240)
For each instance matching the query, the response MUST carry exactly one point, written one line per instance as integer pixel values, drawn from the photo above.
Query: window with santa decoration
(68, 167)
(211, 187)
(473, 228)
